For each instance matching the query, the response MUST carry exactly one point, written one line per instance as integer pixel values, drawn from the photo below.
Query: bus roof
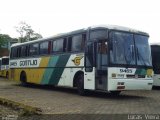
(109, 27)
(119, 28)
(155, 44)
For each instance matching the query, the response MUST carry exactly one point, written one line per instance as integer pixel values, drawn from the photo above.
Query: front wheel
(80, 84)
(115, 93)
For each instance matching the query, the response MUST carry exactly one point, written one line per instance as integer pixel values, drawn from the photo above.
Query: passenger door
(101, 60)
(89, 74)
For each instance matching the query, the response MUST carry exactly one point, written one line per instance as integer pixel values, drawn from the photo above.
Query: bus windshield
(123, 49)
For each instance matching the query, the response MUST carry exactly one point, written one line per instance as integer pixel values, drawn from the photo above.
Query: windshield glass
(122, 51)
(143, 50)
(129, 49)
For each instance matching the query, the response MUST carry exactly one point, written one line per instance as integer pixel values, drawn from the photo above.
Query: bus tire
(7, 75)
(23, 79)
(80, 85)
(115, 93)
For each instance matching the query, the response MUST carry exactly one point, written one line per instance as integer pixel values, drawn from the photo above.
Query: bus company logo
(77, 60)
(28, 63)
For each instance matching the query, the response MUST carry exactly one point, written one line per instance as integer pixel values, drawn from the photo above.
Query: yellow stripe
(34, 75)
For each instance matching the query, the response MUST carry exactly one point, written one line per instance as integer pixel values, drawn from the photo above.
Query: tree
(4, 38)
(26, 32)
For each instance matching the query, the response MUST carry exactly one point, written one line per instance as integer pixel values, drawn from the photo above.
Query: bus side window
(69, 44)
(49, 47)
(76, 43)
(34, 49)
(65, 45)
(27, 50)
(13, 52)
(57, 46)
(18, 52)
(83, 42)
(24, 51)
(44, 48)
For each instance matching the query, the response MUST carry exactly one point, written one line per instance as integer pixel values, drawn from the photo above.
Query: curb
(25, 109)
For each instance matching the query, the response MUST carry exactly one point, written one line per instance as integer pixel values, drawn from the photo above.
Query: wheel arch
(75, 77)
(23, 73)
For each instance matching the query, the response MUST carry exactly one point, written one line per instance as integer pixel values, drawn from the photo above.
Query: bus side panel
(89, 80)
(37, 75)
(3, 73)
(54, 70)
(15, 74)
(34, 74)
(68, 76)
(156, 80)
(74, 64)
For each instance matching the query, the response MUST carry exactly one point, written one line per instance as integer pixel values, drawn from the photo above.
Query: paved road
(67, 101)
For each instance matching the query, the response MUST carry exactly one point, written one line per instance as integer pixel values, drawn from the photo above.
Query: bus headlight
(113, 75)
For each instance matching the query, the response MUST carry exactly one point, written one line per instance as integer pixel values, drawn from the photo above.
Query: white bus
(105, 58)
(155, 50)
(4, 66)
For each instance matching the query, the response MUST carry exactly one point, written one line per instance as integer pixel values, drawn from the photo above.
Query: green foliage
(4, 38)
(26, 32)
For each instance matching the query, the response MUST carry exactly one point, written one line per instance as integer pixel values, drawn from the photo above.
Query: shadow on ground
(156, 88)
(99, 94)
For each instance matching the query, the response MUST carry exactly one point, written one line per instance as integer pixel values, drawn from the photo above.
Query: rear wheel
(80, 84)
(7, 75)
(23, 79)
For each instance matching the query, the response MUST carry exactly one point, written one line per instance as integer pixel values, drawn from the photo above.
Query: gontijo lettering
(28, 63)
